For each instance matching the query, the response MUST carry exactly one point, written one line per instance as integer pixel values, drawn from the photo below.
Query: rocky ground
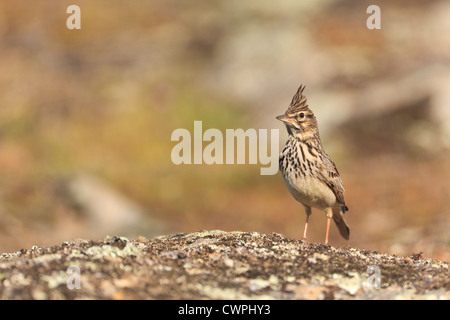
(216, 265)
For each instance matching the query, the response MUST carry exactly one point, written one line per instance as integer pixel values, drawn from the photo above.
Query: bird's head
(298, 118)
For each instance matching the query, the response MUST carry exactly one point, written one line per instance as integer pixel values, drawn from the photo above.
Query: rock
(216, 265)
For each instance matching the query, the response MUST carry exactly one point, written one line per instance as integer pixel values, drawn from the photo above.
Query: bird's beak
(285, 119)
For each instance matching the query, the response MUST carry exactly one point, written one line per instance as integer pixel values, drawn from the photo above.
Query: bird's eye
(301, 115)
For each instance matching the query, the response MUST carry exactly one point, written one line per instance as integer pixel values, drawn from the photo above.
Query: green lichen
(100, 252)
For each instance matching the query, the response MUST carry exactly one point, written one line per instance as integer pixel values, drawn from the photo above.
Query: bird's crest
(298, 101)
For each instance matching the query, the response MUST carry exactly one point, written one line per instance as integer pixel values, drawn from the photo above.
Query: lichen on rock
(216, 265)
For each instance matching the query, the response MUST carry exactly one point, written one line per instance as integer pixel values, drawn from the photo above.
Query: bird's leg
(329, 212)
(308, 213)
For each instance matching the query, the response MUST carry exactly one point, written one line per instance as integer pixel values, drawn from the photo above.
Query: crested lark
(308, 172)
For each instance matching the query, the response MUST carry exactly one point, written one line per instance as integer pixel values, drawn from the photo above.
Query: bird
(309, 173)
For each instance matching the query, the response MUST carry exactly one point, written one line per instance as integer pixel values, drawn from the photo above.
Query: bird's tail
(338, 217)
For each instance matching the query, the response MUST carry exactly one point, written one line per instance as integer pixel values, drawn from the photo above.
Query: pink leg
(308, 213)
(328, 230)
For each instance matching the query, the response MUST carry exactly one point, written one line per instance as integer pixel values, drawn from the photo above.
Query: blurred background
(86, 117)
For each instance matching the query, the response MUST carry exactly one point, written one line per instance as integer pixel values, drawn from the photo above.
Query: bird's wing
(329, 175)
